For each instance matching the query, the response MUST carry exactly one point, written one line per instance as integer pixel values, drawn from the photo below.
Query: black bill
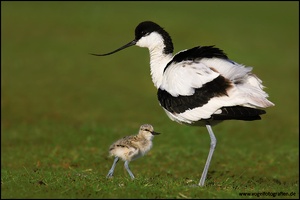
(119, 49)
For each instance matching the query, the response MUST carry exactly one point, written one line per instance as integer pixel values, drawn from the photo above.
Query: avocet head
(148, 34)
(147, 131)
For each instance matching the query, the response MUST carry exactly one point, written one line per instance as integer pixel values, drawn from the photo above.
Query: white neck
(158, 59)
(158, 62)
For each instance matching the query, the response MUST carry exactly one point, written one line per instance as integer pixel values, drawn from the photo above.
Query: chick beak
(155, 133)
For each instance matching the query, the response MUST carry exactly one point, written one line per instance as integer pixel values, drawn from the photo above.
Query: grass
(61, 108)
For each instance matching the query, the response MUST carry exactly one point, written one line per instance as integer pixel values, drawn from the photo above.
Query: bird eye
(145, 33)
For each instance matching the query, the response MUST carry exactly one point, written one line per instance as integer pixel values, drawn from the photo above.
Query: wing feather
(182, 78)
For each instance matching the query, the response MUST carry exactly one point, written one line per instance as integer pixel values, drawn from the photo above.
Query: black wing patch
(239, 113)
(197, 53)
(217, 87)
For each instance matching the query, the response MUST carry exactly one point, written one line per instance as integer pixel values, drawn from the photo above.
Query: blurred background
(55, 96)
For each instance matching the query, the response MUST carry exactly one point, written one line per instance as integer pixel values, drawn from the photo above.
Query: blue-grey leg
(111, 171)
(128, 170)
(213, 142)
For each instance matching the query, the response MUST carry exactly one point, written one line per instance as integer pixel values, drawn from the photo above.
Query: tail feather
(239, 113)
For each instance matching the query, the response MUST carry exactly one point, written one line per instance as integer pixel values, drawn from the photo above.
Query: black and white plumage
(199, 86)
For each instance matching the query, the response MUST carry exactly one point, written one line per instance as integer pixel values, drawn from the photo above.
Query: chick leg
(128, 170)
(111, 171)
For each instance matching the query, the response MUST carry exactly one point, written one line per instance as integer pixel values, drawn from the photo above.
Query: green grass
(61, 108)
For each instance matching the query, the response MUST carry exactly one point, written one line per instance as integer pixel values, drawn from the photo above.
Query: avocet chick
(132, 147)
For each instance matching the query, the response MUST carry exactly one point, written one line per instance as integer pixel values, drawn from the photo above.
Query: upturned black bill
(119, 49)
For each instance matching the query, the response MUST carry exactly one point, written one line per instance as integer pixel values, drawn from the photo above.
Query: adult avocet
(199, 86)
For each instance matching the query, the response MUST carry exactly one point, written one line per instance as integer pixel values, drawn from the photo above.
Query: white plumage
(199, 86)
(180, 80)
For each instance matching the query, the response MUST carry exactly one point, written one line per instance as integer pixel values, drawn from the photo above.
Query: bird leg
(111, 171)
(128, 170)
(213, 142)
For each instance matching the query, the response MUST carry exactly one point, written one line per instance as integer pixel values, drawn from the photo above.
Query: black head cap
(147, 27)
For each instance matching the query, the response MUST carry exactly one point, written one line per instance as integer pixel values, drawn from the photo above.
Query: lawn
(61, 108)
